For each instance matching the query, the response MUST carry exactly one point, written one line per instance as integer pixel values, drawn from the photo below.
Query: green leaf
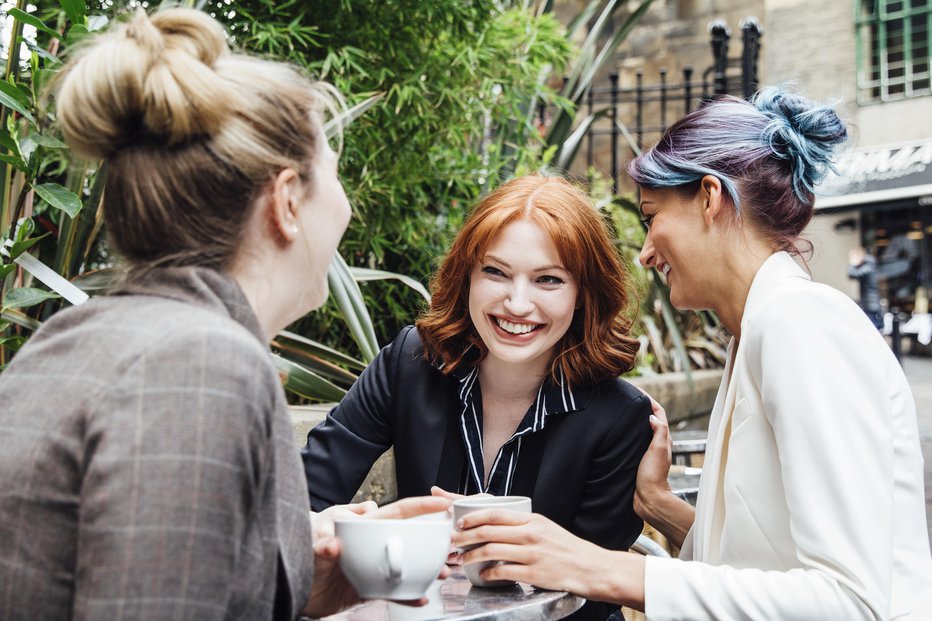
(296, 342)
(97, 280)
(33, 21)
(24, 297)
(59, 197)
(7, 142)
(6, 269)
(38, 51)
(570, 147)
(352, 307)
(306, 383)
(22, 246)
(340, 121)
(14, 161)
(49, 142)
(15, 99)
(75, 34)
(27, 146)
(20, 319)
(362, 274)
(24, 228)
(74, 10)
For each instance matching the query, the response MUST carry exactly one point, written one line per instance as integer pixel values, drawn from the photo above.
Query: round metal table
(455, 598)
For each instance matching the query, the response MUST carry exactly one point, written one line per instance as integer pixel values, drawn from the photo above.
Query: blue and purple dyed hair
(769, 154)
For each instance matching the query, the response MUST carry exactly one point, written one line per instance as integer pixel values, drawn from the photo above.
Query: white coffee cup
(470, 504)
(393, 559)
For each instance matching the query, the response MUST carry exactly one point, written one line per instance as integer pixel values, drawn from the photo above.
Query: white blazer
(811, 499)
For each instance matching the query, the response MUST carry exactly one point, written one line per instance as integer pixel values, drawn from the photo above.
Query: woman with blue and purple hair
(811, 498)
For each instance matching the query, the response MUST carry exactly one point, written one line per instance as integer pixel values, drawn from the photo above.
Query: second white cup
(470, 504)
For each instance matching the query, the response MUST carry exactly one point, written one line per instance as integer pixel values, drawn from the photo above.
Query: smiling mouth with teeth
(516, 328)
(666, 270)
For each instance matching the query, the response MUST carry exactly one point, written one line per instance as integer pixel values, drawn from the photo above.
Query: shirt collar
(553, 396)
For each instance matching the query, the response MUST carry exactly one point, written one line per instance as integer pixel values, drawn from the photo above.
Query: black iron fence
(636, 116)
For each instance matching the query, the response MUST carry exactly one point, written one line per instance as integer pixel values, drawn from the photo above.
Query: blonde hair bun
(150, 79)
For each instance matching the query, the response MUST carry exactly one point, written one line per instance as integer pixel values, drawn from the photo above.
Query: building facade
(872, 57)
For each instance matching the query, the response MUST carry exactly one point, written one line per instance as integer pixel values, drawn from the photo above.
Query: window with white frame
(894, 54)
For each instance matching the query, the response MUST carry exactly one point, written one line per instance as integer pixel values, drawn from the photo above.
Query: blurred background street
(919, 373)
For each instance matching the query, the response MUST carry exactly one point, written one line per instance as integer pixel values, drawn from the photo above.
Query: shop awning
(878, 175)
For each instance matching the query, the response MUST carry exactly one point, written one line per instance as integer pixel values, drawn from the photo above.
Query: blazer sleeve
(341, 450)
(605, 515)
(822, 383)
(176, 458)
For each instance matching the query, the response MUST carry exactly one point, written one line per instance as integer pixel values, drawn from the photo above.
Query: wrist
(621, 580)
(649, 503)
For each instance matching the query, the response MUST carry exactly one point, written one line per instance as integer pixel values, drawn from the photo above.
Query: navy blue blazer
(579, 470)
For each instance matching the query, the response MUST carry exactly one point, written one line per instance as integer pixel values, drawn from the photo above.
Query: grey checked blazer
(147, 464)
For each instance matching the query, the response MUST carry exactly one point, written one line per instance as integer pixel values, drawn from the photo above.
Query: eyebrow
(543, 268)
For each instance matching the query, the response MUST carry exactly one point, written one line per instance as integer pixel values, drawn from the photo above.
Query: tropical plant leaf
(319, 350)
(22, 246)
(7, 142)
(306, 383)
(20, 319)
(49, 142)
(342, 120)
(75, 10)
(24, 297)
(59, 197)
(41, 51)
(327, 370)
(570, 147)
(676, 336)
(352, 307)
(16, 162)
(32, 20)
(97, 280)
(15, 99)
(364, 274)
(608, 50)
(6, 269)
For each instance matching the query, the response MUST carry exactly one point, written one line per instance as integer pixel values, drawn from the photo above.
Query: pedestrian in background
(862, 266)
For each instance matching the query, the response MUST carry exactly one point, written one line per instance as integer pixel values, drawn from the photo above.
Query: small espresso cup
(477, 503)
(393, 559)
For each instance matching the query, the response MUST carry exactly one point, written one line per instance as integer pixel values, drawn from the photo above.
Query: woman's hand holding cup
(332, 591)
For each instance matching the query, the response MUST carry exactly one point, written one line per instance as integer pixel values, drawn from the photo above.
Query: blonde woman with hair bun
(149, 465)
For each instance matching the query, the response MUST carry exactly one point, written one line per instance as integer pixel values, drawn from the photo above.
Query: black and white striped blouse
(553, 398)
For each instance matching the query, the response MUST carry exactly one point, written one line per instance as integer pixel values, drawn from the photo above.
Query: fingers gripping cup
(464, 506)
(393, 559)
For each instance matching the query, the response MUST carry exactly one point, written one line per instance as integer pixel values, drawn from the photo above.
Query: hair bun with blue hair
(802, 131)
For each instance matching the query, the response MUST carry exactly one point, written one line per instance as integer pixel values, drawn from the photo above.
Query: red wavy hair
(597, 345)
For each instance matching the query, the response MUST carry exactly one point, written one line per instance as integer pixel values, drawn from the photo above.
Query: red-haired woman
(509, 383)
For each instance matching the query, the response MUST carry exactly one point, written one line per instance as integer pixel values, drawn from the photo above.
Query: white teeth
(666, 270)
(515, 328)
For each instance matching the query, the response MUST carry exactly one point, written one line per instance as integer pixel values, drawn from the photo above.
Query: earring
(294, 229)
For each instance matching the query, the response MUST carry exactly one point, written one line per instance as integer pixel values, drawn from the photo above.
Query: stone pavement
(919, 373)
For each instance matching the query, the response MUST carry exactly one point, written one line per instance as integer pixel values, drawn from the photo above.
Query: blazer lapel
(710, 504)
(447, 458)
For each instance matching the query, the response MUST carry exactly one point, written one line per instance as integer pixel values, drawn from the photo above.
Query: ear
(710, 191)
(284, 203)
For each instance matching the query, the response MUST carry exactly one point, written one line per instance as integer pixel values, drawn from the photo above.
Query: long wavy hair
(597, 345)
